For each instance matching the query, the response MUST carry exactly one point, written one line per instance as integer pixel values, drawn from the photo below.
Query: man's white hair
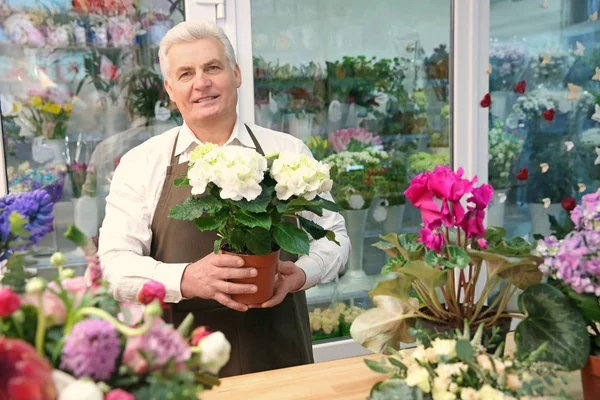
(188, 31)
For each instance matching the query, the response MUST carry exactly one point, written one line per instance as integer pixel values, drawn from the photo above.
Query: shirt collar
(239, 136)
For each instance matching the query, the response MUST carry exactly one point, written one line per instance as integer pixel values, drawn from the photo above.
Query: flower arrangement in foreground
(251, 200)
(565, 311)
(459, 368)
(69, 339)
(438, 268)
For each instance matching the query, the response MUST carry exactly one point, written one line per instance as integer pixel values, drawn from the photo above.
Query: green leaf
(387, 247)
(211, 223)
(399, 287)
(259, 241)
(553, 319)
(193, 207)
(217, 245)
(291, 238)
(431, 258)
(431, 277)
(378, 366)
(259, 204)
(331, 237)
(588, 304)
(494, 235)
(464, 350)
(237, 239)
(395, 389)
(397, 363)
(252, 220)
(315, 230)
(458, 257)
(409, 242)
(181, 182)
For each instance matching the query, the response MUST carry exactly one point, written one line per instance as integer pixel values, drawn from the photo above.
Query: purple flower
(91, 349)
(587, 215)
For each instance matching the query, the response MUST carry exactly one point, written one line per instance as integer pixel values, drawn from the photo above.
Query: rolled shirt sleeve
(126, 235)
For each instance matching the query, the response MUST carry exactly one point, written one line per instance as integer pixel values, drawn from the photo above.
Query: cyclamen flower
(154, 349)
(299, 175)
(91, 350)
(431, 240)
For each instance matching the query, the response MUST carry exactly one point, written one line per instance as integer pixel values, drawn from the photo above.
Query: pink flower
(481, 196)
(135, 312)
(482, 243)
(93, 273)
(119, 394)
(431, 240)
(342, 137)
(472, 224)
(54, 308)
(9, 302)
(108, 71)
(421, 197)
(198, 334)
(152, 290)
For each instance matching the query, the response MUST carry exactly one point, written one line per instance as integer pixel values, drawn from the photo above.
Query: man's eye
(184, 75)
(213, 67)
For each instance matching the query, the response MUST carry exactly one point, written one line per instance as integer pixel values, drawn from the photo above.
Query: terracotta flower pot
(590, 378)
(264, 280)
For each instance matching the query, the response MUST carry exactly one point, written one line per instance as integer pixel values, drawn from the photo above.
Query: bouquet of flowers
(319, 147)
(551, 68)
(69, 339)
(508, 63)
(26, 179)
(570, 309)
(452, 239)
(248, 198)
(536, 102)
(353, 172)
(353, 139)
(46, 112)
(459, 368)
(505, 149)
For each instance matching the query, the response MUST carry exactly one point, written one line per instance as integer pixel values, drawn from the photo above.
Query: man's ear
(238, 76)
(169, 89)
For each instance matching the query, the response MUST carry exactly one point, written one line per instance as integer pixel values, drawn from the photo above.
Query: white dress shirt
(126, 235)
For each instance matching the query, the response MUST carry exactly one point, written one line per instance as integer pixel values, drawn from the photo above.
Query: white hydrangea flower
(418, 376)
(215, 350)
(300, 175)
(238, 171)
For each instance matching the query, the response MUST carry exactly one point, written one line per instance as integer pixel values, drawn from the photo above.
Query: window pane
(80, 86)
(544, 132)
(344, 75)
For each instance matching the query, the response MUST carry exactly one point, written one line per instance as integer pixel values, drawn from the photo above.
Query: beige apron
(261, 339)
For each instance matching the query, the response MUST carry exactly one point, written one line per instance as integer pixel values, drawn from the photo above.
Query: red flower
(523, 174)
(151, 291)
(119, 394)
(24, 375)
(198, 334)
(568, 203)
(486, 101)
(520, 88)
(9, 302)
(549, 114)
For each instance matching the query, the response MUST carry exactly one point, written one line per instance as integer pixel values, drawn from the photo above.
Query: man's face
(201, 81)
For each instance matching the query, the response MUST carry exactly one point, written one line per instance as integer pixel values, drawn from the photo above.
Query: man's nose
(201, 82)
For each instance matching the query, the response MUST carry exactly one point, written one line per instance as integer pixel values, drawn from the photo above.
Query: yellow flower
(36, 101)
(489, 393)
(52, 108)
(68, 107)
(17, 106)
(418, 376)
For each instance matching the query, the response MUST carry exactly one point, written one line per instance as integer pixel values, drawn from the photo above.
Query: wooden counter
(345, 379)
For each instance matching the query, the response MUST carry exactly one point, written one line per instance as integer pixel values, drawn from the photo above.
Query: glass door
(352, 78)
(80, 86)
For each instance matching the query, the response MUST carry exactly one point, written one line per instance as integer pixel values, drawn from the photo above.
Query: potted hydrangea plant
(253, 202)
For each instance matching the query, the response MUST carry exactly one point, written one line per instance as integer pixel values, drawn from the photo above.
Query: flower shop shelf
(345, 379)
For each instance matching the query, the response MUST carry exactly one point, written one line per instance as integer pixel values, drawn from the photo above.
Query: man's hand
(289, 278)
(207, 278)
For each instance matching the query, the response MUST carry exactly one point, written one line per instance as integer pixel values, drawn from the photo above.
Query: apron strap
(256, 144)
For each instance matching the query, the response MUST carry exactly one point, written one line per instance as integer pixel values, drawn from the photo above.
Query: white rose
(489, 393)
(469, 394)
(444, 348)
(484, 362)
(443, 395)
(449, 370)
(81, 390)
(215, 350)
(418, 376)
(513, 381)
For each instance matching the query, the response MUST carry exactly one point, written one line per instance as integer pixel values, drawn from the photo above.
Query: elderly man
(138, 241)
